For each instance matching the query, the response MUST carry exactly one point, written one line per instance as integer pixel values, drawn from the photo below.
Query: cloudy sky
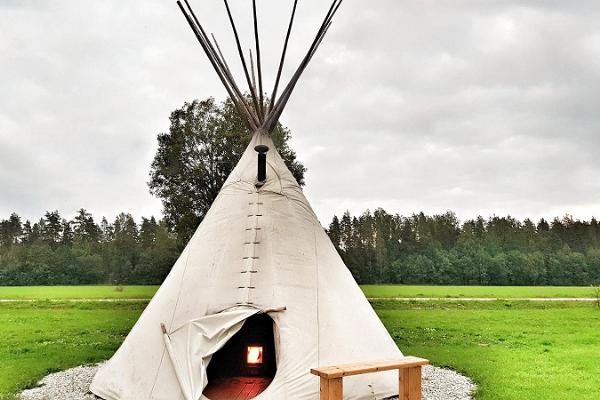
(481, 107)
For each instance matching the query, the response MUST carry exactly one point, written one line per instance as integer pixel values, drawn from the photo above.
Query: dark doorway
(246, 365)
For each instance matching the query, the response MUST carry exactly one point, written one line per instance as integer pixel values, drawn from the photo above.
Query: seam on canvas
(187, 258)
(272, 165)
(157, 372)
(318, 323)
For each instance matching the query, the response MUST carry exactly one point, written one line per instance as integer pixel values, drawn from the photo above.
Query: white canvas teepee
(259, 249)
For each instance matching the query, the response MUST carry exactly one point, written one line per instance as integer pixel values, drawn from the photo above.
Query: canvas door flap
(191, 346)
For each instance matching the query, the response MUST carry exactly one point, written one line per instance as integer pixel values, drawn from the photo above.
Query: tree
(67, 233)
(27, 233)
(205, 141)
(11, 230)
(148, 231)
(85, 230)
(125, 251)
(335, 232)
(156, 261)
(377, 247)
(106, 231)
(52, 228)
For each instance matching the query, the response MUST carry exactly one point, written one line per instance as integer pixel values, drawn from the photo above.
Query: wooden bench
(409, 376)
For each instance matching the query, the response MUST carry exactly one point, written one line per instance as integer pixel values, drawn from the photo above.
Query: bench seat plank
(339, 371)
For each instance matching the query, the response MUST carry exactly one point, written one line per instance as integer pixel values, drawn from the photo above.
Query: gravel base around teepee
(445, 384)
(73, 384)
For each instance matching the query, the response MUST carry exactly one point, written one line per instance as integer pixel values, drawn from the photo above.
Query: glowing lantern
(254, 355)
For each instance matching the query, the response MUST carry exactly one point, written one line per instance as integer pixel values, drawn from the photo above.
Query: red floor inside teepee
(241, 388)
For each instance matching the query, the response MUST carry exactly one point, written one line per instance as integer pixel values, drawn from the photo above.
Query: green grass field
(43, 337)
(503, 292)
(77, 292)
(514, 350)
(375, 291)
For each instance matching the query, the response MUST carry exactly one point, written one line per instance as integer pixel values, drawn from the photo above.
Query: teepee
(260, 254)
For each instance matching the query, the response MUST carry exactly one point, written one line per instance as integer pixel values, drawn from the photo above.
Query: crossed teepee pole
(255, 113)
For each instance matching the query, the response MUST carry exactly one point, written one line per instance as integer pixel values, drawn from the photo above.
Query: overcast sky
(481, 107)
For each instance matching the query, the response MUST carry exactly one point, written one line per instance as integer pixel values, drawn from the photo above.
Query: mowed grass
(76, 292)
(37, 338)
(514, 350)
(503, 292)
(372, 291)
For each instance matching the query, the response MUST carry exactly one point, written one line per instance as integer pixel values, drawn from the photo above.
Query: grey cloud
(480, 107)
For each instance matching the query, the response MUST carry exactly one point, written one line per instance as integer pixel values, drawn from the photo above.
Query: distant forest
(56, 251)
(383, 248)
(378, 247)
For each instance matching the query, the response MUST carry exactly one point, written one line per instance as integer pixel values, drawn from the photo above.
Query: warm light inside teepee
(255, 355)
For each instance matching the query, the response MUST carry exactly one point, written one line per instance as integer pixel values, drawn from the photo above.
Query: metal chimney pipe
(261, 177)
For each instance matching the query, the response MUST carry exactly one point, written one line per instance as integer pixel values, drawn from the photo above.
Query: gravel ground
(445, 384)
(73, 384)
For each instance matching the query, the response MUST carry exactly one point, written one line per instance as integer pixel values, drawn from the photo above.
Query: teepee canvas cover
(259, 249)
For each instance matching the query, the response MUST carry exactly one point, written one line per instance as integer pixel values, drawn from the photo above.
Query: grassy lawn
(146, 292)
(77, 292)
(504, 292)
(514, 350)
(41, 337)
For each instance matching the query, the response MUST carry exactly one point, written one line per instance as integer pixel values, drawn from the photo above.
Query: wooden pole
(258, 64)
(242, 58)
(220, 70)
(222, 64)
(281, 103)
(252, 69)
(283, 53)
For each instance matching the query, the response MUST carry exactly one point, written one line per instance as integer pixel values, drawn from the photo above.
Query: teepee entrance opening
(246, 365)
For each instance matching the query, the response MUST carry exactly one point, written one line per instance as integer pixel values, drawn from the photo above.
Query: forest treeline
(378, 247)
(56, 251)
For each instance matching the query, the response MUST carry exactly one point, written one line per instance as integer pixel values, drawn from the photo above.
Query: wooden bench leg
(331, 389)
(410, 384)
(415, 383)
